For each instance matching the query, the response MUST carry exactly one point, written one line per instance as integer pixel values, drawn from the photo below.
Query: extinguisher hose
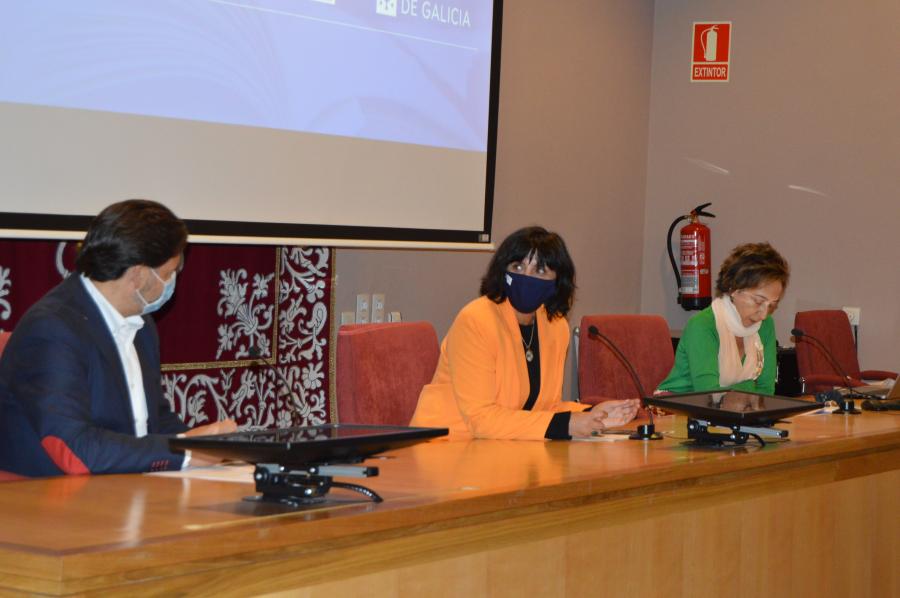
(672, 254)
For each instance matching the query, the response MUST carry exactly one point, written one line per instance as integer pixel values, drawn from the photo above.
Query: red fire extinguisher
(695, 279)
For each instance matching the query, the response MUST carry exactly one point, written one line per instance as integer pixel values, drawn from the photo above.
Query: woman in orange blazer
(501, 368)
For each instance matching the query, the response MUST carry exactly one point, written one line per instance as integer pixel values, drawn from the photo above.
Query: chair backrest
(832, 328)
(4, 337)
(645, 341)
(381, 369)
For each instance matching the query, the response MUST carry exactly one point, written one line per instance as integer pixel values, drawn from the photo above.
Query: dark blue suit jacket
(64, 405)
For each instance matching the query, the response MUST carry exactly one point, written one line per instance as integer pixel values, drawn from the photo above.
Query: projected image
(408, 71)
(339, 120)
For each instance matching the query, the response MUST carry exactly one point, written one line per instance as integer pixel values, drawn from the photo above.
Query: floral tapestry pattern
(5, 282)
(246, 335)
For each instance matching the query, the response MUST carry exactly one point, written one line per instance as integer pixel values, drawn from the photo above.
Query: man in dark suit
(80, 388)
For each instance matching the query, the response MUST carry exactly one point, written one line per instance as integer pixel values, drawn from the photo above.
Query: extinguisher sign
(711, 51)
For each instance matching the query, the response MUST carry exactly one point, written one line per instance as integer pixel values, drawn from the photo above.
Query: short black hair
(551, 252)
(751, 265)
(130, 233)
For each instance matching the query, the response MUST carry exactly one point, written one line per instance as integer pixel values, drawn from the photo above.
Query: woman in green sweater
(731, 343)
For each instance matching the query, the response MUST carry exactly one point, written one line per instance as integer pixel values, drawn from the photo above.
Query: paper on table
(603, 438)
(822, 411)
(241, 473)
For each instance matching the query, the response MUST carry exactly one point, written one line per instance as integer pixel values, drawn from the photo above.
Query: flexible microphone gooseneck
(644, 431)
(845, 404)
(256, 354)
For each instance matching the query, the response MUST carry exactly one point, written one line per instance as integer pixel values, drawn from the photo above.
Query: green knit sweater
(696, 366)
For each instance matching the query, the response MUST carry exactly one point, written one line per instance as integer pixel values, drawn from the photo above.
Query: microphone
(644, 431)
(256, 354)
(845, 404)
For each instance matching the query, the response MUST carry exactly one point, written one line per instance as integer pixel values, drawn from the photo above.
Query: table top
(72, 526)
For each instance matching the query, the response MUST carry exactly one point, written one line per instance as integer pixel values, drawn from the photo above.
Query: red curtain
(234, 308)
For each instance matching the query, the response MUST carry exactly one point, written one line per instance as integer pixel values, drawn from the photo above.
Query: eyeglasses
(760, 302)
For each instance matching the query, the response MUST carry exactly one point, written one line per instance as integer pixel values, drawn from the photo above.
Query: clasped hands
(608, 414)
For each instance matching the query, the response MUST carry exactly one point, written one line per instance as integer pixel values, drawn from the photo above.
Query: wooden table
(816, 516)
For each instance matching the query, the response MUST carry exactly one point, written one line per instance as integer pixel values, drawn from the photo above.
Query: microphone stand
(846, 405)
(644, 431)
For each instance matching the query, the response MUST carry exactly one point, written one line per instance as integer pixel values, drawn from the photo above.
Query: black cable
(672, 255)
(758, 438)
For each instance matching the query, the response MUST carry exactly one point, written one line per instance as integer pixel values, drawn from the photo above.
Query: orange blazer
(481, 381)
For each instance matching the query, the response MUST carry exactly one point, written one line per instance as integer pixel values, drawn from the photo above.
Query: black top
(531, 341)
(558, 429)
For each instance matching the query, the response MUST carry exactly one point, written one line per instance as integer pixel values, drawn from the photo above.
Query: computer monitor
(308, 445)
(733, 407)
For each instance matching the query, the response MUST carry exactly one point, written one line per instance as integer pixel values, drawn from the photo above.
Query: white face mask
(168, 290)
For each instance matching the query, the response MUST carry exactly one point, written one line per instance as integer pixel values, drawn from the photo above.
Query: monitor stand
(698, 431)
(307, 484)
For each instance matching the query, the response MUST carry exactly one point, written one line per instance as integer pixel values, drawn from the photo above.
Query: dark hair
(550, 251)
(750, 265)
(130, 233)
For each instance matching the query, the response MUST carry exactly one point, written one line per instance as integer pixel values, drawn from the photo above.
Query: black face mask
(527, 293)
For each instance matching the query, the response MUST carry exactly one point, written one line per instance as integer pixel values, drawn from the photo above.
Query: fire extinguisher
(695, 279)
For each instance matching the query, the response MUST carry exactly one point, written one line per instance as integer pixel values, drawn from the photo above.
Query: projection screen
(341, 122)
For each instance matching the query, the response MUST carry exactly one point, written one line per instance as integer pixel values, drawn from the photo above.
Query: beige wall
(574, 100)
(812, 103)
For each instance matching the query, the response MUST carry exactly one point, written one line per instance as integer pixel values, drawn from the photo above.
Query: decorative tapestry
(245, 321)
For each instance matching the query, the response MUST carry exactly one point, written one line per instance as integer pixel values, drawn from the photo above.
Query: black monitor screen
(327, 443)
(733, 407)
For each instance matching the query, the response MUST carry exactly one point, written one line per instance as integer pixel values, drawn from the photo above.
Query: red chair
(645, 341)
(381, 369)
(832, 328)
(5, 476)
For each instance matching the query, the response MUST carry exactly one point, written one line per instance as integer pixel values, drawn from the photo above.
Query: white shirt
(123, 331)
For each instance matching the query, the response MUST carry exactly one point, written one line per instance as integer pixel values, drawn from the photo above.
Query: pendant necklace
(529, 354)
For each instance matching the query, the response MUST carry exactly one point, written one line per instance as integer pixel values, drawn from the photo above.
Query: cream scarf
(729, 326)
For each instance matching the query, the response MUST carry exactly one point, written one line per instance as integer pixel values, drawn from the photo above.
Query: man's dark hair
(130, 233)
(751, 265)
(550, 251)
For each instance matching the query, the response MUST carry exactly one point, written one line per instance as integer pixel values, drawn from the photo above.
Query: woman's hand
(620, 412)
(607, 414)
